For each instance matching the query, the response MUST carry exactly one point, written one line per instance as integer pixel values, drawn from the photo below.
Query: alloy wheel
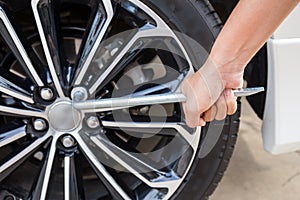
(49, 149)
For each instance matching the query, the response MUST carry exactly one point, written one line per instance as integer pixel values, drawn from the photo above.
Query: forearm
(249, 26)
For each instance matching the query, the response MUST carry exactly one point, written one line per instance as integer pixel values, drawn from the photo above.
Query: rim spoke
(67, 171)
(14, 43)
(95, 36)
(70, 180)
(46, 23)
(113, 187)
(11, 136)
(146, 31)
(13, 90)
(21, 112)
(47, 171)
(18, 159)
(191, 139)
(128, 161)
(171, 85)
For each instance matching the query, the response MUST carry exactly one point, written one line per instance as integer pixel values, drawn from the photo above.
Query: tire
(53, 56)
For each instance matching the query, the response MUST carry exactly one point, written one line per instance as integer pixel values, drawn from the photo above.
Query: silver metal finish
(49, 164)
(11, 136)
(23, 153)
(102, 105)
(243, 92)
(20, 48)
(22, 112)
(79, 94)
(191, 139)
(100, 167)
(171, 185)
(68, 141)
(87, 61)
(93, 122)
(140, 34)
(34, 4)
(67, 188)
(63, 117)
(13, 90)
(118, 103)
(46, 94)
(172, 86)
(39, 124)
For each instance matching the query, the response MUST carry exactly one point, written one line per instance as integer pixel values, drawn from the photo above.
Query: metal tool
(101, 105)
(243, 92)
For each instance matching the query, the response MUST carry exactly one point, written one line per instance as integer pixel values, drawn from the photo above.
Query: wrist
(211, 76)
(230, 71)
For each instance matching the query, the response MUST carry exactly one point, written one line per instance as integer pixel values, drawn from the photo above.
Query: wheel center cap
(64, 117)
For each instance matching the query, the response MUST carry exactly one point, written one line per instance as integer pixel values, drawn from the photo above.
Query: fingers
(230, 101)
(225, 105)
(210, 114)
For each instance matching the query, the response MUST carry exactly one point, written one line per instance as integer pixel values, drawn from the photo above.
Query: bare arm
(247, 29)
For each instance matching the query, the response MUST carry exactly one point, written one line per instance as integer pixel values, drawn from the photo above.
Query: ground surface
(255, 174)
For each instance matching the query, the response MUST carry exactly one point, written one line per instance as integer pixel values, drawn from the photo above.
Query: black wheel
(56, 53)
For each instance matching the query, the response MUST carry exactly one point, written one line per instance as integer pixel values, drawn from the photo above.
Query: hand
(206, 97)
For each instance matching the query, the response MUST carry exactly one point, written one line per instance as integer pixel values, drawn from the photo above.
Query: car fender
(280, 128)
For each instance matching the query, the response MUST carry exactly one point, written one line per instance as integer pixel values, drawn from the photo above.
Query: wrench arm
(102, 105)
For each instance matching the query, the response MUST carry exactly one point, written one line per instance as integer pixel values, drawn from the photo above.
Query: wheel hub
(63, 117)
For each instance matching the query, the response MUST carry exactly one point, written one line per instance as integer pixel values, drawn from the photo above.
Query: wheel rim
(115, 147)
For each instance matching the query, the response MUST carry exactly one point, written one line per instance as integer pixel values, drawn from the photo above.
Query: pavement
(255, 174)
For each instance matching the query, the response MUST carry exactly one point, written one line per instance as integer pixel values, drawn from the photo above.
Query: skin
(209, 90)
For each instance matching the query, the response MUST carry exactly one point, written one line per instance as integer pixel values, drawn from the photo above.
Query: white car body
(281, 123)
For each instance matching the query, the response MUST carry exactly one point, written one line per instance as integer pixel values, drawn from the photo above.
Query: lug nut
(79, 94)
(93, 122)
(68, 141)
(46, 94)
(39, 124)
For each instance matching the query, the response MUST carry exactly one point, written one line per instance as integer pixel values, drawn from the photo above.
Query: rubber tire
(198, 20)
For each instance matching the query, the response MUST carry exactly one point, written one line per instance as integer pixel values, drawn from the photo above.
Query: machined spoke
(129, 161)
(67, 166)
(47, 172)
(13, 90)
(22, 155)
(96, 34)
(70, 180)
(191, 139)
(21, 112)
(46, 24)
(146, 31)
(113, 187)
(13, 41)
(171, 85)
(11, 136)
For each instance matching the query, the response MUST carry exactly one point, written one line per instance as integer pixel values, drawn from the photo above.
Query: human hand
(206, 98)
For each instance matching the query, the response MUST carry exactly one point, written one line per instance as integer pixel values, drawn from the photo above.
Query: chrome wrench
(102, 105)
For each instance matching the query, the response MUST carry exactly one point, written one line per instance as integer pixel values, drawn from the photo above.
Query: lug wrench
(102, 105)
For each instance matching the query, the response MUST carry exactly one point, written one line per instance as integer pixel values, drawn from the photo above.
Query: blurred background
(255, 174)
